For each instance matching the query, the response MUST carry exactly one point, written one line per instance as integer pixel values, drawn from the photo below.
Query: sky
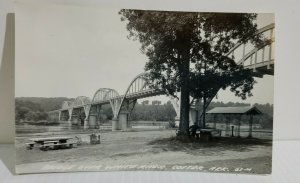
(70, 51)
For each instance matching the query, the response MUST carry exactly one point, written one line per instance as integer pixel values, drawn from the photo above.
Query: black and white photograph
(112, 89)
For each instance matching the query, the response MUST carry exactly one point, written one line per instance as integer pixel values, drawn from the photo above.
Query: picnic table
(205, 134)
(46, 143)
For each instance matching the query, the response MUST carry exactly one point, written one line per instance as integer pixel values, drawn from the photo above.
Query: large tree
(187, 52)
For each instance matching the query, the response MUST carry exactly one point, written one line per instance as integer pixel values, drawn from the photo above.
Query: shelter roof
(235, 110)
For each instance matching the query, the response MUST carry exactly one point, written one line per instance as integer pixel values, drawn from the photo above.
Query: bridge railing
(246, 53)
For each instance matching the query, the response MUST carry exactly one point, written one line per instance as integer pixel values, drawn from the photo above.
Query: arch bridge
(86, 111)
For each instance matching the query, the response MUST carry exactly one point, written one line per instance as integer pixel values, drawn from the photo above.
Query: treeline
(47, 104)
(29, 111)
(266, 119)
(165, 112)
(36, 108)
(153, 112)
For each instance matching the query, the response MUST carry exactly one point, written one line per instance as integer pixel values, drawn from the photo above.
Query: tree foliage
(207, 36)
(187, 52)
(29, 111)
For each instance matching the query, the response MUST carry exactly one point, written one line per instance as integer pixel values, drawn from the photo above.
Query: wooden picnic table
(50, 142)
(45, 139)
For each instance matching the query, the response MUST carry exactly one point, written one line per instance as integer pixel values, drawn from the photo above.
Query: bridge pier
(59, 116)
(74, 120)
(93, 121)
(123, 121)
(70, 111)
(70, 121)
(115, 124)
(86, 124)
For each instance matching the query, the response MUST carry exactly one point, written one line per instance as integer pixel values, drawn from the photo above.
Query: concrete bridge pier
(121, 123)
(70, 111)
(59, 116)
(75, 120)
(70, 121)
(115, 124)
(92, 121)
(99, 111)
(86, 123)
(124, 122)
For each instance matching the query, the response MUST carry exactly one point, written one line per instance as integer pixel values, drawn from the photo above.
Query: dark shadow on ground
(214, 147)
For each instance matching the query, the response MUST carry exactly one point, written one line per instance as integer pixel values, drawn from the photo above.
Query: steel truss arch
(249, 58)
(260, 31)
(137, 85)
(104, 94)
(107, 94)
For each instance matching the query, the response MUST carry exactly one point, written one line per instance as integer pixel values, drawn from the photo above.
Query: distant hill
(46, 104)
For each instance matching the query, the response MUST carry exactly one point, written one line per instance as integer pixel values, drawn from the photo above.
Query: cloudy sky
(70, 51)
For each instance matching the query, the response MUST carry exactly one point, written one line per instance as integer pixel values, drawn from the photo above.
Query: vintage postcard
(108, 89)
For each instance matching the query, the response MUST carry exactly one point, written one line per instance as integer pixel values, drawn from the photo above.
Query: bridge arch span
(267, 28)
(103, 94)
(139, 85)
(256, 57)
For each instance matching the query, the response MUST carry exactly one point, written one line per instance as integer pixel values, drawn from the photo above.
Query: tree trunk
(185, 94)
(184, 112)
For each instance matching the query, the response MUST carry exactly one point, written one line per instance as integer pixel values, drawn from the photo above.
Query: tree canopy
(187, 52)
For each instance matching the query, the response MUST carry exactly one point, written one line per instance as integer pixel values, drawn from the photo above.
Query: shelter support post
(250, 126)
(227, 126)
(239, 126)
(215, 124)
